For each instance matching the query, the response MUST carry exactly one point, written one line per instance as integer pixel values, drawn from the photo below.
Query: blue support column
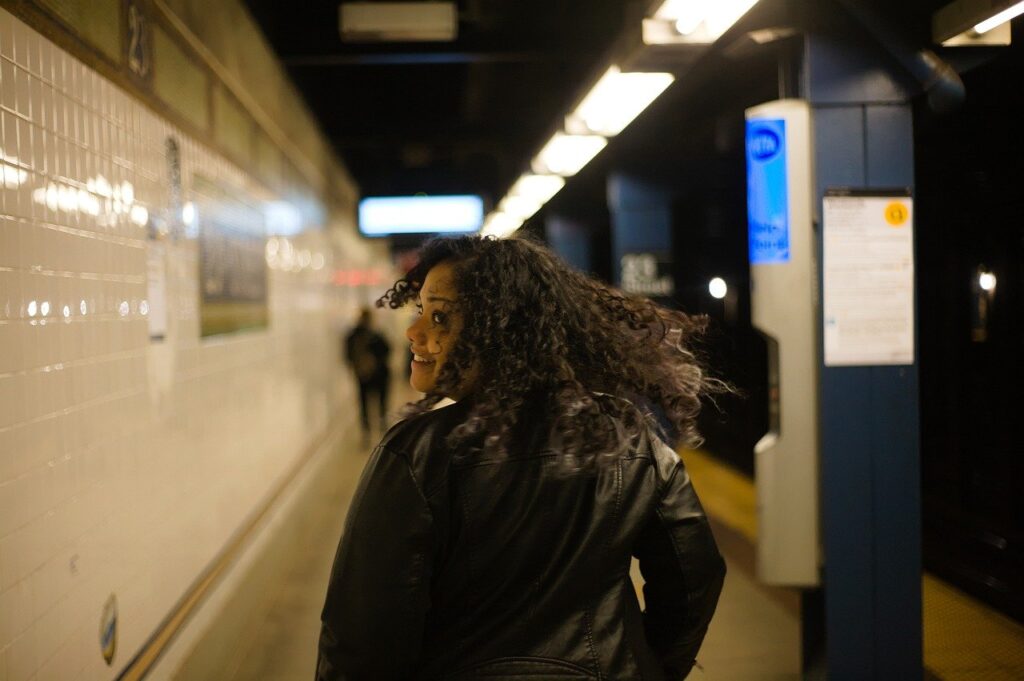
(870, 468)
(570, 239)
(641, 217)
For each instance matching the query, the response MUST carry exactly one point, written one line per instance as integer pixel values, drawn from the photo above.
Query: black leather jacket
(480, 567)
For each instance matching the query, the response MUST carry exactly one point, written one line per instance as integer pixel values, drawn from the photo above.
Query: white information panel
(868, 273)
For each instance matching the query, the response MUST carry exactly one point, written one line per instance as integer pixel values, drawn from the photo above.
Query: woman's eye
(438, 317)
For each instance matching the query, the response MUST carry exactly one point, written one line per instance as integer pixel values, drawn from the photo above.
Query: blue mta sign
(767, 192)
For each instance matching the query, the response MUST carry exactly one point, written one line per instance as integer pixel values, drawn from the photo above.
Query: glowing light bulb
(987, 281)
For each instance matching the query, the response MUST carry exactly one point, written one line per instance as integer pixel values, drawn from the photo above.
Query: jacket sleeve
(682, 569)
(378, 594)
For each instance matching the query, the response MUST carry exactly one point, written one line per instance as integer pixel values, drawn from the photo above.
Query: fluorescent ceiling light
(539, 188)
(519, 207)
(567, 154)
(500, 224)
(616, 100)
(975, 22)
(1001, 18)
(703, 21)
(398, 21)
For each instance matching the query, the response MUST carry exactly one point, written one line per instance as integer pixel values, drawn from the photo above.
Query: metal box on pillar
(784, 309)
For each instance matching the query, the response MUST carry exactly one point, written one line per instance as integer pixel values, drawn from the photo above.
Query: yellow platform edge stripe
(963, 638)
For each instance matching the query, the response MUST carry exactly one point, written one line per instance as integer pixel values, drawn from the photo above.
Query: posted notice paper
(868, 273)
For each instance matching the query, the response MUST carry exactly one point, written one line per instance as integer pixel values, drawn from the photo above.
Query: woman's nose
(414, 332)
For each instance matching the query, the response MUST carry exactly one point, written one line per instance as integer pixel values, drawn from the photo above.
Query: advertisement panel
(767, 191)
(232, 259)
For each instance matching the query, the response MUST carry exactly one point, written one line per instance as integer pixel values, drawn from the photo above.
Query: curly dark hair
(537, 330)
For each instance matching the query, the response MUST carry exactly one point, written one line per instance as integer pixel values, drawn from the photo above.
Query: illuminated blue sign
(386, 215)
(767, 192)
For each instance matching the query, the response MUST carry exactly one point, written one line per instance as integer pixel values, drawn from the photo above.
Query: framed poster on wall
(232, 259)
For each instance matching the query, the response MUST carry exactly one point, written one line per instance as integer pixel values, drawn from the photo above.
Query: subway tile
(49, 352)
(35, 136)
(22, 93)
(19, 31)
(12, 405)
(32, 40)
(13, 461)
(22, 655)
(11, 287)
(24, 194)
(35, 93)
(59, 120)
(21, 499)
(11, 346)
(33, 400)
(10, 130)
(24, 139)
(46, 54)
(68, 660)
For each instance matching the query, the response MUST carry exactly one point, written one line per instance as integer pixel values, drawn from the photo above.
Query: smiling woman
(437, 326)
(493, 537)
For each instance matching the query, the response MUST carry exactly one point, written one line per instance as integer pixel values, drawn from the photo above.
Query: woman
(491, 538)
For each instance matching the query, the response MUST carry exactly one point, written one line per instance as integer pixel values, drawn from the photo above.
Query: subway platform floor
(754, 636)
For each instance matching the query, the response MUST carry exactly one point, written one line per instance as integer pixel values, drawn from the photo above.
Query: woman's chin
(420, 385)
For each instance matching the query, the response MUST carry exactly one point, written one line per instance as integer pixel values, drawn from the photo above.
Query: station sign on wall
(647, 274)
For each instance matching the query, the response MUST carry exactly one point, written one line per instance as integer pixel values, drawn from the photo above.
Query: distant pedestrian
(367, 353)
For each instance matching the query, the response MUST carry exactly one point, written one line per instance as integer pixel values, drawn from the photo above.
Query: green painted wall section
(179, 81)
(98, 22)
(231, 35)
(232, 126)
(268, 157)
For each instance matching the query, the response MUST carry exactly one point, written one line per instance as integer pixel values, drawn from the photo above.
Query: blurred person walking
(367, 353)
(492, 538)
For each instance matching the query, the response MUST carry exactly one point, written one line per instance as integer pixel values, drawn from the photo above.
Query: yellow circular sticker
(896, 214)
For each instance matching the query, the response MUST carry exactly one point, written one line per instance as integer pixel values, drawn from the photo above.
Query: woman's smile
(420, 361)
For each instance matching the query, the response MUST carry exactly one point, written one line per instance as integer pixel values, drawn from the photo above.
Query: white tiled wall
(125, 465)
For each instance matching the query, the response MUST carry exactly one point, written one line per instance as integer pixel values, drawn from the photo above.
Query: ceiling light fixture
(500, 224)
(616, 100)
(694, 21)
(539, 188)
(566, 154)
(1002, 17)
(975, 22)
(519, 207)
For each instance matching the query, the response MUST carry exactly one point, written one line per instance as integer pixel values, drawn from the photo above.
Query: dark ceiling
(466, 116)
(461, 116)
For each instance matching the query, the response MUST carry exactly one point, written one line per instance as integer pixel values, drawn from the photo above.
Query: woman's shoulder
(422, 439)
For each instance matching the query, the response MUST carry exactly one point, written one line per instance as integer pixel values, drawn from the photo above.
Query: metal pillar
(870, 471)
(641, 220)
(571, 240)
